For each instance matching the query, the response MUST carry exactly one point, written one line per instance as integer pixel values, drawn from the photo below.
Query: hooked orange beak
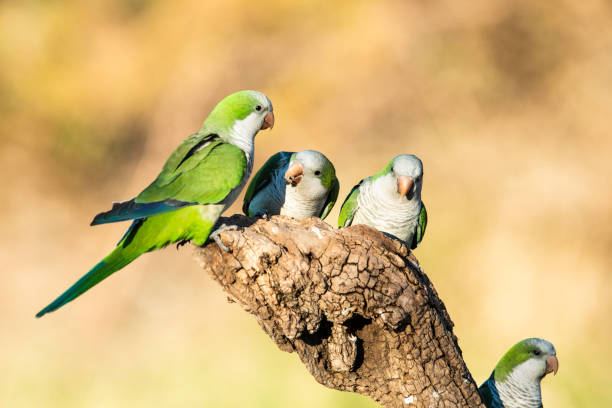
(552, 365)
(404, 184)
(294, 173)
(268, 121)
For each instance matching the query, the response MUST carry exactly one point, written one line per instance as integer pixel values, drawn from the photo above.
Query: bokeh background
(508, 103)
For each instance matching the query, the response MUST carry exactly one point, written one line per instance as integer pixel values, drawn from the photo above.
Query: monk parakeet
(300, 185)
(200, 179)
(390, 201)
(515, 381)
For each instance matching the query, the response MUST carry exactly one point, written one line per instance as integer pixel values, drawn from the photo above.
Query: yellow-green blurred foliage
(507, 103)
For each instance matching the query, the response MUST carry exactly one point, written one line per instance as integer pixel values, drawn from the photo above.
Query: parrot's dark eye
(536, 352)
(258, 108)
(317, 173)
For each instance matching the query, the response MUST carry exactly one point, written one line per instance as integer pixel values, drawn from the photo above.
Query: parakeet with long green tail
(300, 185)
(390, 201)
(515, 381)
(200, 179)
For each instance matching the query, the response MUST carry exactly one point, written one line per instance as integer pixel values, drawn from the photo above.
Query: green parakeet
(515, 381)
(200, 179)
(390, 201)
(300, 185)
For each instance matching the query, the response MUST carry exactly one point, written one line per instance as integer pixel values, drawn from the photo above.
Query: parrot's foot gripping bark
(222, 228)
(262, 214)
(181, 243)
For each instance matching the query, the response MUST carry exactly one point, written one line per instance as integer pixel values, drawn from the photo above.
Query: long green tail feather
(142, 236)
(109, 265)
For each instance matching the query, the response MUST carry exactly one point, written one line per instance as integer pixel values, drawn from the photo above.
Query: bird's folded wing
(489, 395)
(332, 197)
(420, 227)
(264, 176)
(349, 206)
(131, 210)
(204, 175)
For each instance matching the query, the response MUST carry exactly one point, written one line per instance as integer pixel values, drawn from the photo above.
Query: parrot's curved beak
(294, 173)
(268, 121)
(404, 184)
(552, 365)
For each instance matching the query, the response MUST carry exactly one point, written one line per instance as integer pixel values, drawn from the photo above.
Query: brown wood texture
(352, 303)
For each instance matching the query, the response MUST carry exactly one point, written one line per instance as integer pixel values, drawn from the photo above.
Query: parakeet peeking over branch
(300, 185)
(515, 381)
(390, 201)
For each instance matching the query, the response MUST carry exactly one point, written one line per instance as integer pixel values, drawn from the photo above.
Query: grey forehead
(311, 159)
(543, 345)
(263, 99)
(407, 165)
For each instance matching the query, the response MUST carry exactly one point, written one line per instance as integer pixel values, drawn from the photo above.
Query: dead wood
(352, 303)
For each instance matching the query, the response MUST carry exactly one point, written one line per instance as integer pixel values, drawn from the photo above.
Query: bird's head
(312, 169)
(241, 114)
(407, 170)
(530, 360)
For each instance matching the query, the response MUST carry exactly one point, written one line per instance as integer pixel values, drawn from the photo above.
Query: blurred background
(507, 103)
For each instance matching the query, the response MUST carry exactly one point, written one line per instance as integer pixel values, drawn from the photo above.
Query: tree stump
(353, 303)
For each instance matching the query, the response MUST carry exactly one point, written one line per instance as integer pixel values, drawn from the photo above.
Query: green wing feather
(332, 197)
(184, 151)
(202, 170)
(206, 177)
(264, 176)
(347, 211)
(420, 227)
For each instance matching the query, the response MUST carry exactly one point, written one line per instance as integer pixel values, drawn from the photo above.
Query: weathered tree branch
(354, 305)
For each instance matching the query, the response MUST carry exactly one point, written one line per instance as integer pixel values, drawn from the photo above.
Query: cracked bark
(352, 303)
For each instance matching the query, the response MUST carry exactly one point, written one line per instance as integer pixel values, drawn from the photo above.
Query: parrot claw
(262, 214)
(215, 235)
(181, 243)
